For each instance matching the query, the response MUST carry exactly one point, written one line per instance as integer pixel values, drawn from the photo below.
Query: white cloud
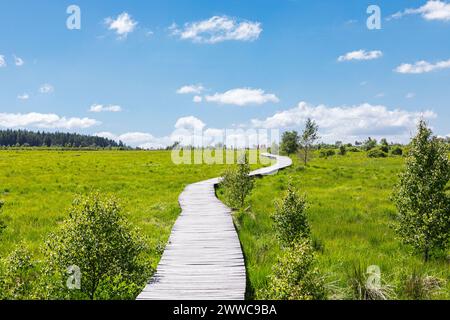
(410, 95)
(3, 63)
(107, 135)
(48, 121)
(197, 99)
(135, 137)
(218, 29)
(432, 10)
(46, 88)
(190, 131)
(422, 67)
(18, 61)
(185, 132)
(195, 88)
(101, 108)
(361, 55)
(243, 97)
(122, 25)
(380, 95)
(189, 123)
(138, 139)
(23, 96)
(349, 123)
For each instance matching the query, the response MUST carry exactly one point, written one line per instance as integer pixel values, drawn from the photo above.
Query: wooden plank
(203, 259)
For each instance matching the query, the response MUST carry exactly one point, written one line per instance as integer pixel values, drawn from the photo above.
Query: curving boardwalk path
(203, 259)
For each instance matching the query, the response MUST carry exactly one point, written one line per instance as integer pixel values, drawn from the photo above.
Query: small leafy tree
(309, 136)
(295, 277)
(422, 204)
(237, 183)
(369, 144)
(98, 239)
(290, 218)
(342, 150)
(290, 142)
(384, 145)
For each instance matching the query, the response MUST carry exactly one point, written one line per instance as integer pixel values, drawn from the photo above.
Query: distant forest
(24, 138)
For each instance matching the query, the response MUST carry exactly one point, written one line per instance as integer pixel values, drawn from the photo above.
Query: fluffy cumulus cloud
(190, 123)
(122, 25)
(349, 123)
(44, 120)
(190, 131)
(243, 97)
(46, 88)
(218, 29)
(191, 89)
(102, 108)
(18, 61)
(187, 131)
(361, 55)
(2, 61)
(138, 139)
(422, 67)
(432, 10)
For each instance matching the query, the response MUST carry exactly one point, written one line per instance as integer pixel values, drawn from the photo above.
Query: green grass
(350, 215)
(349, 211)
(39, 185)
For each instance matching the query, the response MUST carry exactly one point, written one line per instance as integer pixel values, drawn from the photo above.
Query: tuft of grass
(418, 286)
(361, 287)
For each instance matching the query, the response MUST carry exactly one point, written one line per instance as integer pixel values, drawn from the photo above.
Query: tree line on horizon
(25, 138)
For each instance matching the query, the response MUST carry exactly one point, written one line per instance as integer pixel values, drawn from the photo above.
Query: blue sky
(249, 64)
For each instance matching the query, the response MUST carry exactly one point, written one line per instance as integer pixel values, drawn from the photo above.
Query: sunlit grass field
(350, 213)
(349, 207)
(38, 186)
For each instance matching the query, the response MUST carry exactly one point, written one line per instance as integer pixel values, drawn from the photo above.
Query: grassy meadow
(349, 207)
(38, 186)
(350, 213)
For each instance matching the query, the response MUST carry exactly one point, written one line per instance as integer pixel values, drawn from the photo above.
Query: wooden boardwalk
(203, 259)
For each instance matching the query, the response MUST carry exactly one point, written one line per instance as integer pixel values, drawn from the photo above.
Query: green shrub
(397, 151)
(295, 277)
(237, 184)
(376, 153)
(98, 239)
(354, 149)
(384, 148)
(117, 288)
(290, 220)
(327, 153)
(20, 274)
(342, 150)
